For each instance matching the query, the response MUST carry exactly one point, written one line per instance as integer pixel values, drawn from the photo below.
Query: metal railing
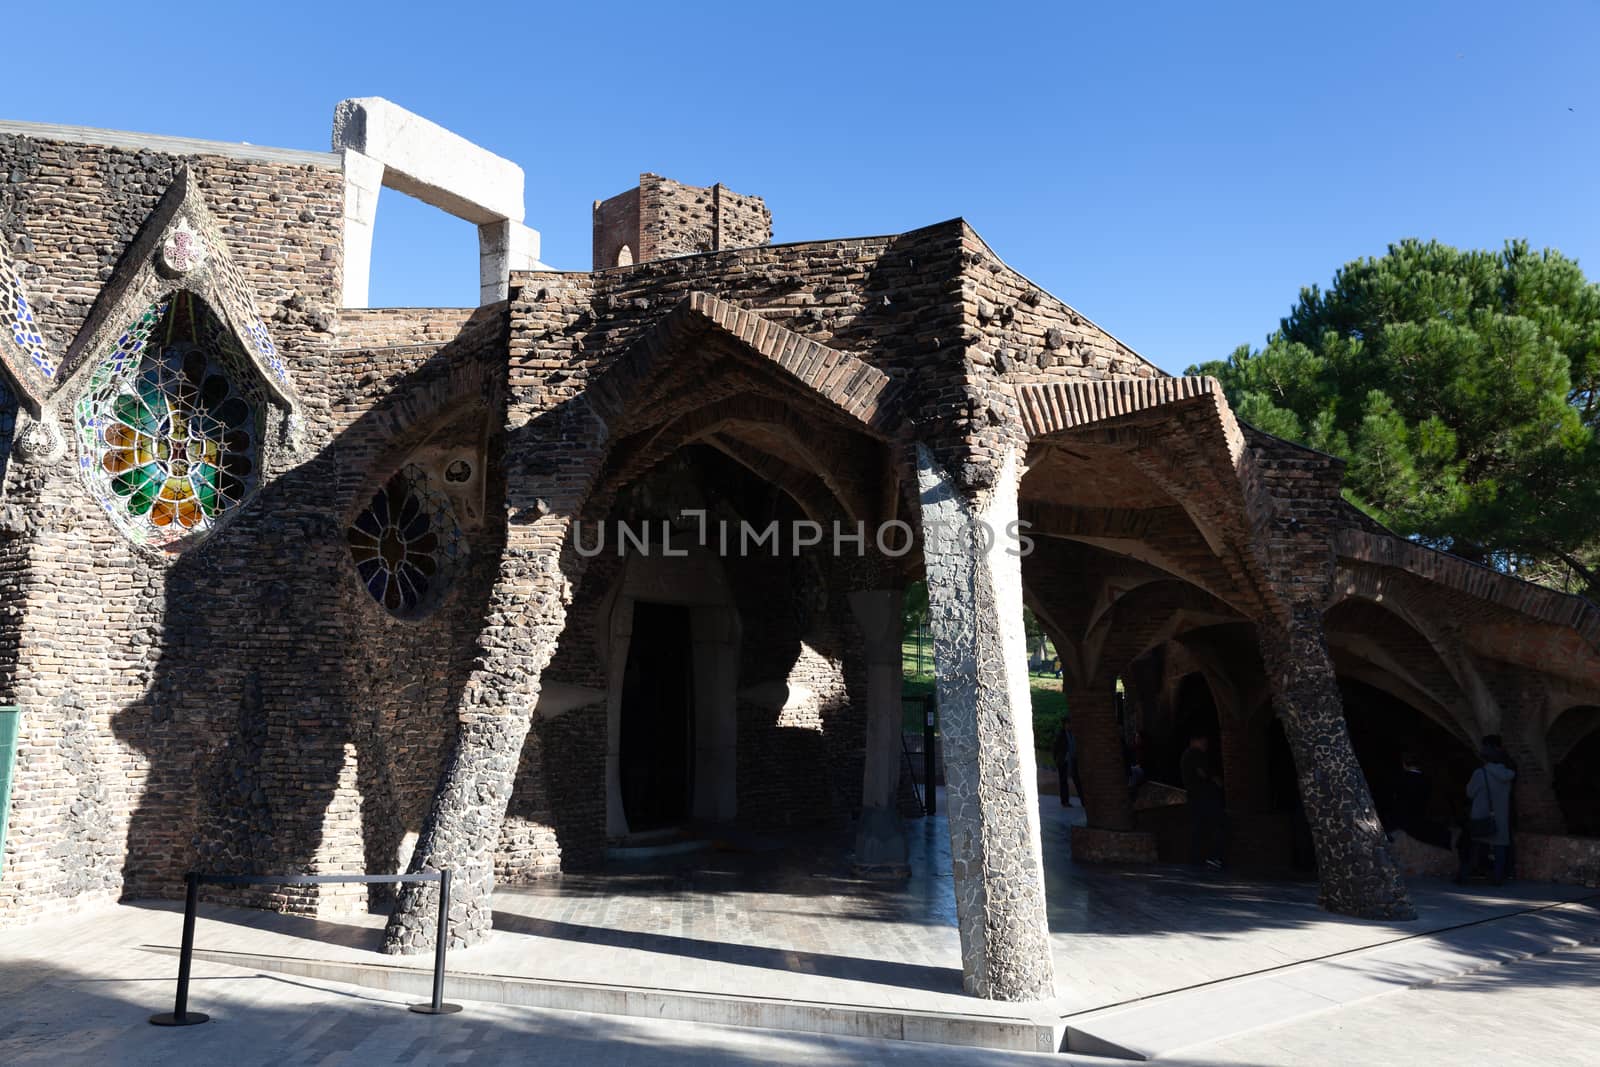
(180, 1015)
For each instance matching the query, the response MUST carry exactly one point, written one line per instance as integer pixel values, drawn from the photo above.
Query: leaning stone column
(981, 662)
(1358, 875)
(880, 837)
(460, 833)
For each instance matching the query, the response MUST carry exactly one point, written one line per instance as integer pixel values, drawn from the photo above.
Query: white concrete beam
(429, 162)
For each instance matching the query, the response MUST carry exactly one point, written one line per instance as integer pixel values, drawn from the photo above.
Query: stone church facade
(294, 584)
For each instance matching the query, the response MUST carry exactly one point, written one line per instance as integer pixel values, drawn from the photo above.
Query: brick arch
(1431, 688)
(1391, 591)
(1569, 727)
(1152, 614)
(1182, 436)
(851, 388)
(464, 375)
(810, 482)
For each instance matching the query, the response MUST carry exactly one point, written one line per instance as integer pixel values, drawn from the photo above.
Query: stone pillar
(460, 832)
(363, 181)
(1100, 766)
(1109, 836)
(503, 246)
(1358, 875)
(880, 837)
(991, 787)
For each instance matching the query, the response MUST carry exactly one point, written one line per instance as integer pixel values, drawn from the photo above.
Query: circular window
(407, 544)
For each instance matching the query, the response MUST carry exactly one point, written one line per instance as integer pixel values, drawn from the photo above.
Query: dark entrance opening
(657, 742)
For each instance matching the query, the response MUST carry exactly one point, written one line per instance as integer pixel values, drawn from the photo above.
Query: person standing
(1207, 818)
(1489, 820)
(1065, 753)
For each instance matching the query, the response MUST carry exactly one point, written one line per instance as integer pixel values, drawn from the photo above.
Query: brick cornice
(1050, 407)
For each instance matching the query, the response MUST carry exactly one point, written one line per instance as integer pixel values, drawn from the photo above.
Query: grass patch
(1049, 702)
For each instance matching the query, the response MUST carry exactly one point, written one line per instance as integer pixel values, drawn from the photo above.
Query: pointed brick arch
(180, 247)
(821, 457)
(851, 387)
(1181, 436)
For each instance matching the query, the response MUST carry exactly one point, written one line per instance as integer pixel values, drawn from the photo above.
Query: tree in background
(1461, 388)
(916, 617)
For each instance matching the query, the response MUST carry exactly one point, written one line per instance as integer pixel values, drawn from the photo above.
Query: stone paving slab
(1161, 1025)
(1537, 1012)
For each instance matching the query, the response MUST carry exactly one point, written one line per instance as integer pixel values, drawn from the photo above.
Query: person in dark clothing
(1411, 805)
(1208, 831)
(1489, 819)
(1065, 753)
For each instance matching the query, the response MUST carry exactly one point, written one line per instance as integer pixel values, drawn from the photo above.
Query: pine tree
(1461, 386)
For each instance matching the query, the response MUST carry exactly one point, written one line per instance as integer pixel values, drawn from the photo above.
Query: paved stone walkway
(764, 918)
(1543, 1011)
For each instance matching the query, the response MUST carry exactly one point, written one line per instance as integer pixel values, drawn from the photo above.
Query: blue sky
(1175, 171)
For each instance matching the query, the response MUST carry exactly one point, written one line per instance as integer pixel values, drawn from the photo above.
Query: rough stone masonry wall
(244, 705)
(404, 678)
(135, 674)
(683, 220)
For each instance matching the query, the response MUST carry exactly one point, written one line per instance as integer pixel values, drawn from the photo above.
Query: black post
(180, 1014)
(441, 942)
(930, 787)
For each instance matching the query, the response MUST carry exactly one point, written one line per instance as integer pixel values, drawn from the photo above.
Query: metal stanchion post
(180, 1015)
(441, 942)
(929, 761)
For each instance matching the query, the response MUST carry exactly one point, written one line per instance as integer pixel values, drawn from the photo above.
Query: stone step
(1017, 1032)
(1169, 1022)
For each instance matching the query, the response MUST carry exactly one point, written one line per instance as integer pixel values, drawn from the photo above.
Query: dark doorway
(657, 743)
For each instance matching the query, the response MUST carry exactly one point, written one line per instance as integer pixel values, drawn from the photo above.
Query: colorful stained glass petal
(169, 423)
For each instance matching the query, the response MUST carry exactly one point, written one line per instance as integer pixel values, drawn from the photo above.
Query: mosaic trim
(407, 544)
(18, 326)
(241, 302)
(171, 424)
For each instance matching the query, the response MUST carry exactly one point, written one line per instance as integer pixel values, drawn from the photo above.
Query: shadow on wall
(798, 746)
(290, 721)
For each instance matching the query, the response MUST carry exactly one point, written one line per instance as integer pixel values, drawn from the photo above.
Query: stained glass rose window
(169, 438)
(406, 543)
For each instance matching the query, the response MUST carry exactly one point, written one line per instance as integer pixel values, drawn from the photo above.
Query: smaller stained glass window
(406, 543)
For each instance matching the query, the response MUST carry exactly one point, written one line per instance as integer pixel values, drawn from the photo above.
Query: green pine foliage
(1461, 388)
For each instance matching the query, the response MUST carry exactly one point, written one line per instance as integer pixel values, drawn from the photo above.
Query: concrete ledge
(1093, 845)
(1013, 1032)
(178, 146)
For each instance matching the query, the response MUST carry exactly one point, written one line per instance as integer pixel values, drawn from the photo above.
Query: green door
(9, 717)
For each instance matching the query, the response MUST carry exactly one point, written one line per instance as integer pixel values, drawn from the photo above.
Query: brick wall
(661, 218)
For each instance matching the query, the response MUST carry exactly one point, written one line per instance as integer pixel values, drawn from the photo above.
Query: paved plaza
(1202, 968)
